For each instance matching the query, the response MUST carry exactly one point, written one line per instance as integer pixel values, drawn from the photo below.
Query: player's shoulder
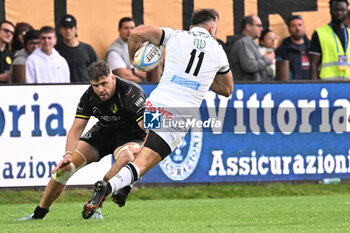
(88, 97)
(124, 86)
(172, 32)
(89, 92)
(131, 94)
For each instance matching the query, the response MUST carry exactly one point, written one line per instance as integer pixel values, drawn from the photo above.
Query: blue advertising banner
(264, 132)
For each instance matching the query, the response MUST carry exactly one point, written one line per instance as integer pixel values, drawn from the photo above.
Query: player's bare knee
(126, 156)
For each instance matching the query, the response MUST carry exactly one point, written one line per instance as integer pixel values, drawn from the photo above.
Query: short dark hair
(99, 69)
(247, 20)
(123, 20)
(8, 22)
(47, 29)
(293, 17)
(215, 13)
(201, 16)
(331, 2)
(31, 35)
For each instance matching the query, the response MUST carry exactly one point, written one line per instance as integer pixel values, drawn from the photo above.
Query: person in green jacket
(329, 48)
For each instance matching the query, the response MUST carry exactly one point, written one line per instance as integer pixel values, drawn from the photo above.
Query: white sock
(126, 176)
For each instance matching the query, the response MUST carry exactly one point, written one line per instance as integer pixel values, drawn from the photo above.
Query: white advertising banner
(34, 122)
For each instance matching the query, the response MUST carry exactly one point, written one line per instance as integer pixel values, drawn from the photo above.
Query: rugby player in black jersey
(118, 105)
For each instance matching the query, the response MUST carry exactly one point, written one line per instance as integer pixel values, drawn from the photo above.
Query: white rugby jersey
(192, 60)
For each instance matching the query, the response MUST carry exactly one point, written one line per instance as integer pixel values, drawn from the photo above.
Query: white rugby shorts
(172, 131)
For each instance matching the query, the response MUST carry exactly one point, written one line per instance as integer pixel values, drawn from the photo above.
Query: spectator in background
(245, 59)
(45, 64)
(79, 55)
(329, 46)
(18, 67)
(18, 38)
(268, 43)
(295, 49)
(6, 34)
(117, 55)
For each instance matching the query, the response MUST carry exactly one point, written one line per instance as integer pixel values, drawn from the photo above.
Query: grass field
(309, 208)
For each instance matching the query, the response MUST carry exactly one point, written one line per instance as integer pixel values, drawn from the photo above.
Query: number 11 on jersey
(190, 63)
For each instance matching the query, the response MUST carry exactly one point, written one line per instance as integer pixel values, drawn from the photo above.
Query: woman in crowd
(21, 29)
(268, 43)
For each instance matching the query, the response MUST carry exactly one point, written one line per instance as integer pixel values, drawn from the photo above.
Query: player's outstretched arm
(72, 142)
(223, 84)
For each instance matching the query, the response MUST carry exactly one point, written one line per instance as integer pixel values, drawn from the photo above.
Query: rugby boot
(98, 196)
(119, 197)
(27, 218)
(98, 214)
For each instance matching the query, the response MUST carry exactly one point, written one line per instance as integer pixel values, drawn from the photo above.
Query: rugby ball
(147, 56)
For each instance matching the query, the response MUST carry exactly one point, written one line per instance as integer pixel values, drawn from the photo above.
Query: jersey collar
(200, 29)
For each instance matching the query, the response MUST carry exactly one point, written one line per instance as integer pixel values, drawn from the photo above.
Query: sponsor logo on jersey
(151, 108)
(96, 111)
(140, 101)
(114, 108)
(185, 82)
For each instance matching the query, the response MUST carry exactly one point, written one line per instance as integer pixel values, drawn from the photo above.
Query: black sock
(109, 189)
(127, 189)
(40, 212)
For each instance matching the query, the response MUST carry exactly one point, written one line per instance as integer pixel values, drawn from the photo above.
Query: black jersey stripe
(223, 72)
(162, 38)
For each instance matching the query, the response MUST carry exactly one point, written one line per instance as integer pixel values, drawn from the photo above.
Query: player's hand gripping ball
(147, 56)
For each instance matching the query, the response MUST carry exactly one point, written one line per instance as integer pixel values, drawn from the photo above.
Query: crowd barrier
(262, 132)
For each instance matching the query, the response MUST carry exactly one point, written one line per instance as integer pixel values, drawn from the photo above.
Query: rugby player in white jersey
(194, 63)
